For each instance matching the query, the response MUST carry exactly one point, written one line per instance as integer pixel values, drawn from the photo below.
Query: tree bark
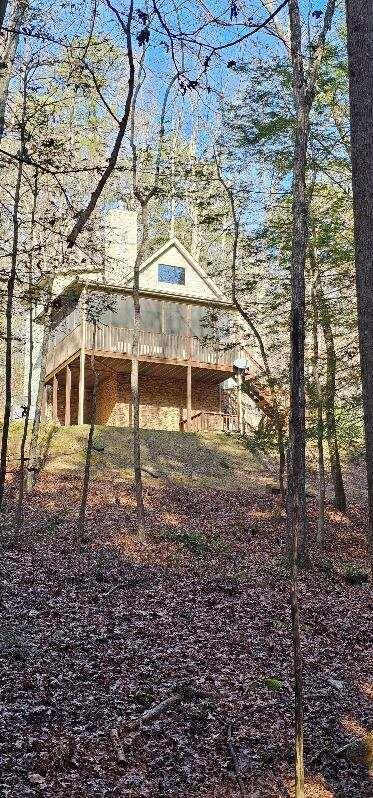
(360, 60)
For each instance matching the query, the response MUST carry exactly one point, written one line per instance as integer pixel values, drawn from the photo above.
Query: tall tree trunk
(34, 459)
(9, 46)
(330, 383)
(360, 60)
(331, 427)
(319, 418)
(3, 7)
(9, 329)
(143, 198)
(304, 87)
(298, 682)
(19, 513)
(321, 463)
(30, 365)
(296, 501)
(88, 458)
(304, 91)
(135, 381)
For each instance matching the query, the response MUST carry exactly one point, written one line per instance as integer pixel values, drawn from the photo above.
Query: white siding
(194, 286)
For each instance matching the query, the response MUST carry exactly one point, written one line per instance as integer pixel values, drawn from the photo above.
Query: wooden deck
(158, 347)
(163, 355)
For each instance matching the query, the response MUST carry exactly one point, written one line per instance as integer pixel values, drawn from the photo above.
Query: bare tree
(86, 213)
(143, 197)
(8, 47)
(360, 60)
(304, 88)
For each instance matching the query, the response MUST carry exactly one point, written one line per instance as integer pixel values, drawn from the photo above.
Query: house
(186, 352)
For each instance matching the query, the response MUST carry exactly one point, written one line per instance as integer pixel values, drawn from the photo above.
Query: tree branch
(85, 214)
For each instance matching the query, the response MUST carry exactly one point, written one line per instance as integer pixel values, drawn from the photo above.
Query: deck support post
(68, 397)
(239, 402)
(81, 387)
(44, 404)
(82, 363)
(189, 398)
(55, 399)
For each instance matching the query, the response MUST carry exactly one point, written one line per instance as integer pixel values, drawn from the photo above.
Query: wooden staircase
(255, 386)
(256, 389)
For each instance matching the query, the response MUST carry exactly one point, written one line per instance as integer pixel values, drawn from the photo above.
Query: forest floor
(94, 637)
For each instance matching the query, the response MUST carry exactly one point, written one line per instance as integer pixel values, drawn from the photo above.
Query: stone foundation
(162, 402)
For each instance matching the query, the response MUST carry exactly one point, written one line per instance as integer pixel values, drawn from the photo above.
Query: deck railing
(205, 421)
(63, 349)
(165, 346)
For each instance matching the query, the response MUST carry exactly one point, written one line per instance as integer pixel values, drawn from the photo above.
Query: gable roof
(193, 263)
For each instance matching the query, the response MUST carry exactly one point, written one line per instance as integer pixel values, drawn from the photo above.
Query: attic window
(171, 274)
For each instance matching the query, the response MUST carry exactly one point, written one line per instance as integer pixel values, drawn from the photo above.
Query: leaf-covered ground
(93, 637)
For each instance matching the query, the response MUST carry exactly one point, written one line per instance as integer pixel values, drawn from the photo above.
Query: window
(171, 274)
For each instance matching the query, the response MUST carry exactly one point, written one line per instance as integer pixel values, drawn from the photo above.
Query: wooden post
(44, 404)
(68, 397)
(55, 399)
(239, 402)
(82, 363)
(81, 386)
(189, 398)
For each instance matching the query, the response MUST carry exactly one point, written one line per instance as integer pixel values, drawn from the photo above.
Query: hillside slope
(94, 636)
(196, 458)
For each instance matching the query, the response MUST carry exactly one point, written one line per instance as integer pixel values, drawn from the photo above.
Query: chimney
(120, 245)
